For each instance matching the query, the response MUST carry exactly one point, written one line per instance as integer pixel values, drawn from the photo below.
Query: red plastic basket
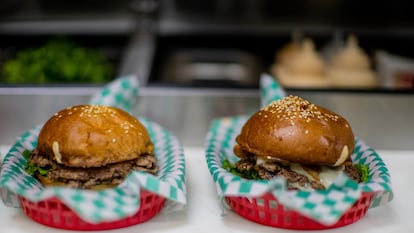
(52, 212)
(268, 211)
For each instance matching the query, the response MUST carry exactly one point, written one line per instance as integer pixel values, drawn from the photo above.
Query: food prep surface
(203, 212)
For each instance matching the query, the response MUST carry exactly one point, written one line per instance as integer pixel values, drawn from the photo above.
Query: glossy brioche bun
(292, 129)
(93, 136)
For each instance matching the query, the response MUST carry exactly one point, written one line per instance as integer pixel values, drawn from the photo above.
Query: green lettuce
(364, 170)
(251, 174)
(31, 168)
(58, 61)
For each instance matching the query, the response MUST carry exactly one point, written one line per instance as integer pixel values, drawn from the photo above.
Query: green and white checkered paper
(325, 206)
(111, 204)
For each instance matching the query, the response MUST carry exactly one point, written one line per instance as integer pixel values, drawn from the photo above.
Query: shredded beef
(352, 172)
(87, 178)
(245, 164)
(268, 170)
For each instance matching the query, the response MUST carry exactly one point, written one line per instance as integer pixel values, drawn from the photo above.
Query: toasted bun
(294, 130)
(93, 136)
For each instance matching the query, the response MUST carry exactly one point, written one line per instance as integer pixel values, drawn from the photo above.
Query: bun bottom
(47, 182)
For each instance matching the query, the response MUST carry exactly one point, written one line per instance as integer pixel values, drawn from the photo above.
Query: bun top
(93, 136)
(295, 130)
(351, 57)
(306, 61)
(287, 53)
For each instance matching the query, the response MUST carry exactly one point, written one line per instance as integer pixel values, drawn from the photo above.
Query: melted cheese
(325, 175)
(260, 161)
(328, 175)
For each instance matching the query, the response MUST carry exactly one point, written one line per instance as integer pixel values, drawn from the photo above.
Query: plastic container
(268, 211)
(52, 212)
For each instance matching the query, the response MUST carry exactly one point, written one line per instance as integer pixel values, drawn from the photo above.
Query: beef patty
(112, 174)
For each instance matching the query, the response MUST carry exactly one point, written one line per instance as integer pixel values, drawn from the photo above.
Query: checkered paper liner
(324, 206)
(110, 204)
(270, 90)
(121, 93)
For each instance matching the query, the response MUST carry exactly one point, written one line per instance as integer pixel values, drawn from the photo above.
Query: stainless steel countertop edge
(144, 91)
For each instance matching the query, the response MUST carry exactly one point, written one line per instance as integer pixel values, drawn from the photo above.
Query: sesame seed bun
(293, 129)
(93, 136)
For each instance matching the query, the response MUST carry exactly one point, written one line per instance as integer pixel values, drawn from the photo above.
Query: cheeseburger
(91, 147)
(306, 144)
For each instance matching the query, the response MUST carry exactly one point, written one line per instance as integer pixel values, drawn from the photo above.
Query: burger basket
(269, 203)
(52, 212)
(139, 198)
(267, 210)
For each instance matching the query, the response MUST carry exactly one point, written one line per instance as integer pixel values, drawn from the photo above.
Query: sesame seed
(293, 107)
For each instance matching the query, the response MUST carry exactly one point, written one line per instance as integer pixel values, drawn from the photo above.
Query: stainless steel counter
(383, 121)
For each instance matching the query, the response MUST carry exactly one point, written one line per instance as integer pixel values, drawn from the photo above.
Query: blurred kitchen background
(197, 60)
